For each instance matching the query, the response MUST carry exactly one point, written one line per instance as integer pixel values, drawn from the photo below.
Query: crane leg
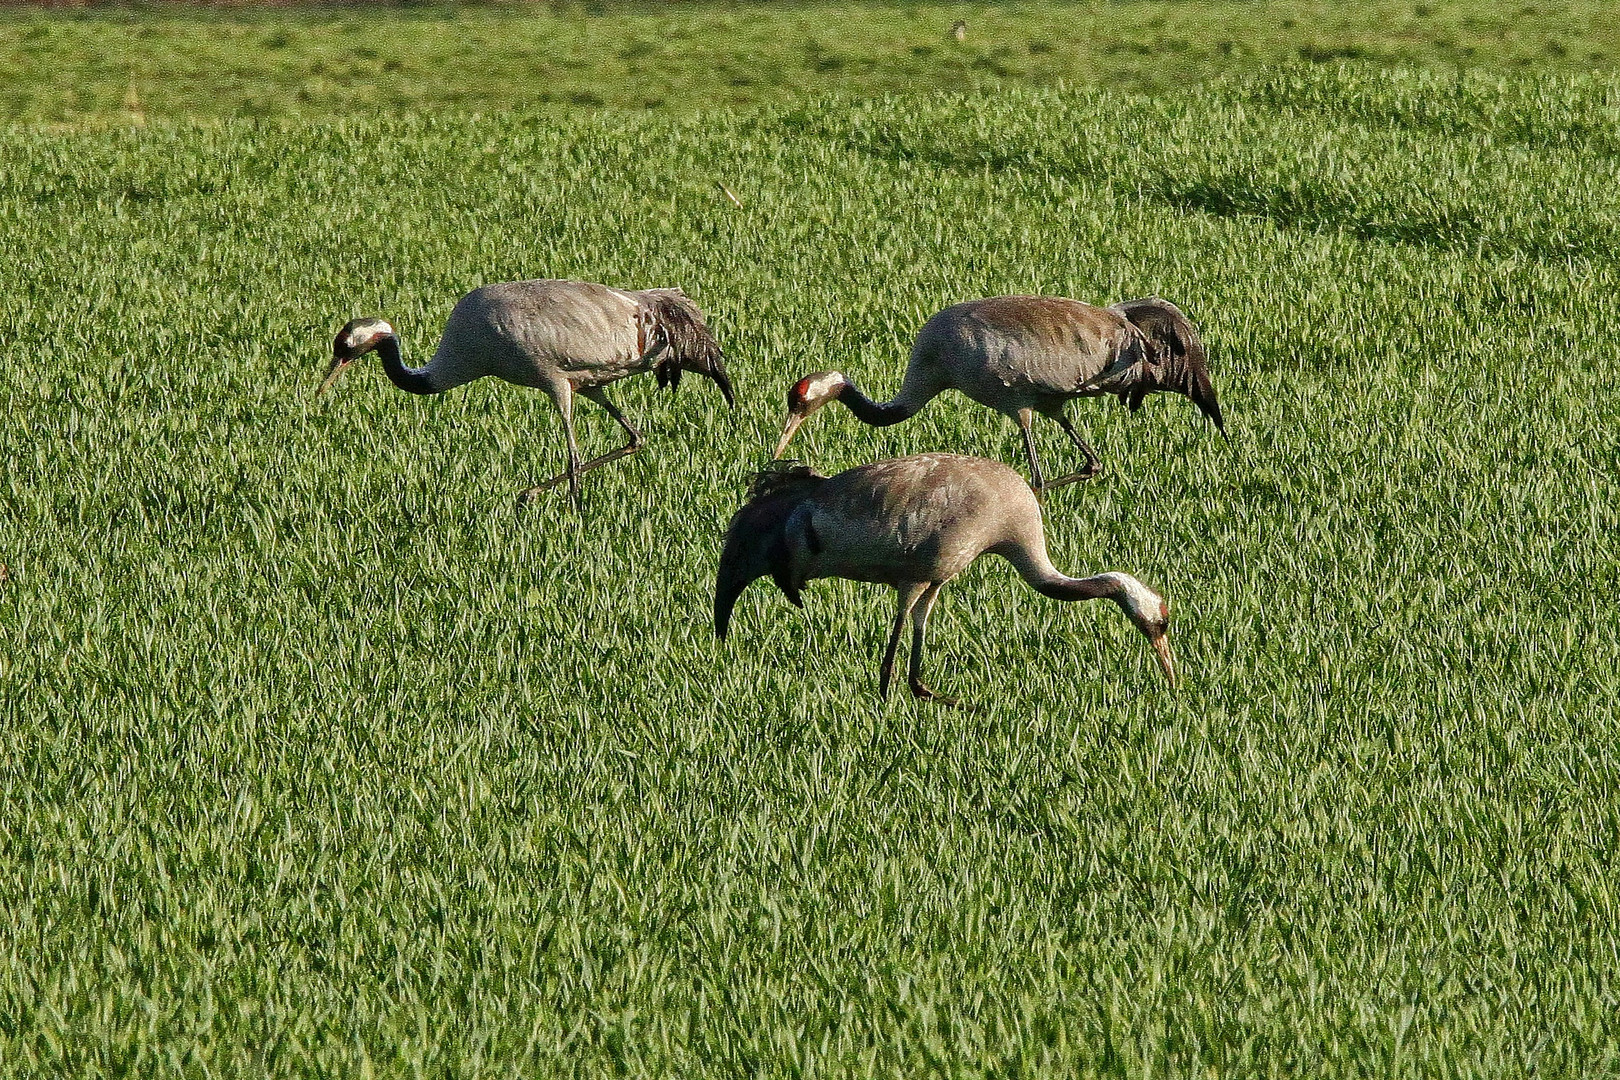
(908, 600)
(1092, 466)
(919, 628)
(636, 442)
(1025, 418)
(575, 468)
(563, 396)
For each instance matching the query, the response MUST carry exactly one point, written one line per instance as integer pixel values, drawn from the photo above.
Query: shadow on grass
(1385, 197)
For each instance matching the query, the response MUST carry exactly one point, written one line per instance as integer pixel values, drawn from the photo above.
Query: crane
(912, 523)
(1023, 355)
(567, 338)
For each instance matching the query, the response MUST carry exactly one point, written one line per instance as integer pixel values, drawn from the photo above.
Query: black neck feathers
(873, 413)
(410, 380)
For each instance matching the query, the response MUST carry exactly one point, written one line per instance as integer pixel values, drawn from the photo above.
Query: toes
(922, 693)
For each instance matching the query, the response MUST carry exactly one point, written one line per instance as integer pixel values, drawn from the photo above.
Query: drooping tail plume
(1180, 352)
(755, 544)
(680, 325)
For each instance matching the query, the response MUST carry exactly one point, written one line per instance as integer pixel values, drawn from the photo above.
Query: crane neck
(880, 413)
(1033, 565)
(410, 380)
(1059, 586)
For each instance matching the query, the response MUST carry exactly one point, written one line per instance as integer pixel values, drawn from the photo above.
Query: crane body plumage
(911, 523)
(561, 337)
(1029, 355)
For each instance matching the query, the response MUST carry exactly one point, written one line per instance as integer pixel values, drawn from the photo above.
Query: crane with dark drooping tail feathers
(563, 337)
(1023, 355)
(912, 523)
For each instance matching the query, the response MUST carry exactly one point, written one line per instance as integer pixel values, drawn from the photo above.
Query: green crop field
(318, 756)
(110, 62)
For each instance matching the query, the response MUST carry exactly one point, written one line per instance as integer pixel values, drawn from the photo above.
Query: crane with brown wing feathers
(1023, 355)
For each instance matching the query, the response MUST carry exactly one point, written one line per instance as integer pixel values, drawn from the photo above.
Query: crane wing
(1048, 344)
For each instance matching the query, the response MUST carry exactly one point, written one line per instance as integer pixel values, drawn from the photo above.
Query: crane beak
(792, 425)
(1167, 661)
(332, 373)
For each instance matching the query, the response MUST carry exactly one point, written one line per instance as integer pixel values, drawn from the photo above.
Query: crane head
(1149, 613)
(358, 337)
(805, 397)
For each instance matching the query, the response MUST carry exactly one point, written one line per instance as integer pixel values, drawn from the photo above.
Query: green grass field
(320, 757)
(114, 63)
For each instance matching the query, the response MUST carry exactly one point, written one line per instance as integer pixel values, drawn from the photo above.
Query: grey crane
(563, 337)
(1023, 355)
(913, 523)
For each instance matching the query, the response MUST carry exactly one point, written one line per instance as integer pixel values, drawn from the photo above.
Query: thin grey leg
(908, 595)
(1025, 418)
(1092, 467)
(564, 399)
(575, 469)
(919, 630)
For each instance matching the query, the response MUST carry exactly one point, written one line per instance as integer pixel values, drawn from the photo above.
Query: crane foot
(528, 496)
(1087, 473)
(922, 693)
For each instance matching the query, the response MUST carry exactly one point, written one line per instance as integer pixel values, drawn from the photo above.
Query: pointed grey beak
(332, 373)
(792, 425)
(1167, 661)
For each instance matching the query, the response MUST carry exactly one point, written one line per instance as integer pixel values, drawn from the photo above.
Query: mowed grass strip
(116, 64)
(321, 756)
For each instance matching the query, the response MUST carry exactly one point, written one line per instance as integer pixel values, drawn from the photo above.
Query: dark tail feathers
(755, 545)
(678, 324)
(1179, 352)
